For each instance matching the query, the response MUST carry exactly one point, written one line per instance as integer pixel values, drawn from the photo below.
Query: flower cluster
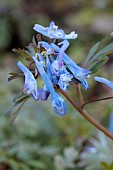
(55, 67)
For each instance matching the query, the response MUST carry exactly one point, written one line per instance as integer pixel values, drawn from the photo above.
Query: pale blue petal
(44, 93)
(64, 81)
(64, 46)
(72, 35)
(30, 86)
(57, 102)
(40, 29)
(105, 81)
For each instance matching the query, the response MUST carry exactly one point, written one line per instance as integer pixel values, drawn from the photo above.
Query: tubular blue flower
(30, 86)
(78, 72)
(53, 32)
(105, 81)
(57, 102)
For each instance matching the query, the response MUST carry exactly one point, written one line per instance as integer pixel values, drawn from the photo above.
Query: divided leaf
(19, 102)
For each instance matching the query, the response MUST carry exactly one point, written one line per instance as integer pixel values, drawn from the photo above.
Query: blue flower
(79, 73)
(57, 102)
(111, 123)
(53, 32)
(105, 81)
(30, 86)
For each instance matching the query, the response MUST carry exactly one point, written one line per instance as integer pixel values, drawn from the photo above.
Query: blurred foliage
(98, 154)
(17, 18)
(39, 139)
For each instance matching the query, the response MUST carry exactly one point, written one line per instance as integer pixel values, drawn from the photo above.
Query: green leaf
(31, 49)
(22, 52)
(98, 64)
(105, 51)
(104, 41)
(91, 53)
(99, 50)
(18, 101)
(14, 76)
(19, 95)
(106, 166)
(14, 115)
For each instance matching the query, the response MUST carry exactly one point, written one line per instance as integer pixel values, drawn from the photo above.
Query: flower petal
(64, 81)
(105, 81)
(30, 86)
(44, 93)
(111, 122)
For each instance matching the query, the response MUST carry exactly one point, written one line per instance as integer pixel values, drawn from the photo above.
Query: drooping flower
(57, 102)
(30, 86)
(53, 32)
(105, 81)
(79, 73)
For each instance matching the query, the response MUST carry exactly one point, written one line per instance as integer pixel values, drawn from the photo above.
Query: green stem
(86, 115)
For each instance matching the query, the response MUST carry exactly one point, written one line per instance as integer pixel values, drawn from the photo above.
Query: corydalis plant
(58, 70)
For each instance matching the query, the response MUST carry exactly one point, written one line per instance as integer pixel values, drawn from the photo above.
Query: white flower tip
(74, 35)
(35, 26)
(112, 34)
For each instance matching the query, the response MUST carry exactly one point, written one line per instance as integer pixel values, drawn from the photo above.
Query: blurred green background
(39, 139)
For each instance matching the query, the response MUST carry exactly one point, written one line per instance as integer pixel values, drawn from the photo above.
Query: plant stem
(86, 115)
(80, 97)
(106, 98)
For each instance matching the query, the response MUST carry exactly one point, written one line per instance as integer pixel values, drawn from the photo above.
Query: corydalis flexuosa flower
(53, 32)
(57, 102)
(30, 86)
